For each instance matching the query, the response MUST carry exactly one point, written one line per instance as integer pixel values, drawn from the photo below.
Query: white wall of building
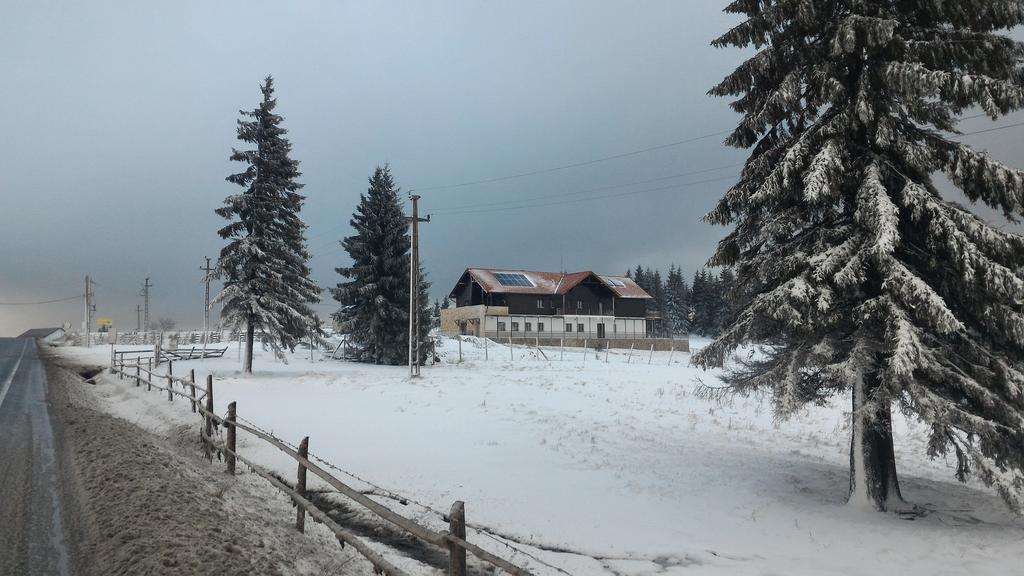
(555, 326)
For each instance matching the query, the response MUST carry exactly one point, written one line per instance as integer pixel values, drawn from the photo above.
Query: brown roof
(552, 283)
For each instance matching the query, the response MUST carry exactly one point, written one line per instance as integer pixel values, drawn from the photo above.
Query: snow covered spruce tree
(375, 297)
(264, 265)
(677, 307)
(852, 266)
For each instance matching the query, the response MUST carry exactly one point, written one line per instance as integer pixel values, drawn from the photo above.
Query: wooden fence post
(208, 426)
(459, 338)
(229, 457)
(149, 377)
(511, 350)
(138, 373)
(630, 357)
(585, 348)
(192, 387)
(651, 357)
(561, 349)
(300, 486)
(457, 528)
(671, 352)
(170, 381)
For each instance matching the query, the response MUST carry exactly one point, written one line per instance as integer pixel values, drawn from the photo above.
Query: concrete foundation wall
(468, 320)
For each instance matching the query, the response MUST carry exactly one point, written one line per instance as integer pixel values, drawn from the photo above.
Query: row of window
(528, 327)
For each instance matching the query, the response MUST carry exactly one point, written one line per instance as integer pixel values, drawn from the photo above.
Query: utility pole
(145, 295)
(206, 301)
(88, 311)
(138, 318)
(414, 288)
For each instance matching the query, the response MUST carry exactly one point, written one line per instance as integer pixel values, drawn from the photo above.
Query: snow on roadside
(621, 463)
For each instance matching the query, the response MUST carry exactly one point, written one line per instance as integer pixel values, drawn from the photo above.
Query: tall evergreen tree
(425, 325)
(723, 299)
(677, 308)
(659, 302)
(264, 265)
(860, 275)
(374, 297)
(435, 315)
(641, 278)
(701, 302)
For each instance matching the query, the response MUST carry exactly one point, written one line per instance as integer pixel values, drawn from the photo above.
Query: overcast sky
(118, 119)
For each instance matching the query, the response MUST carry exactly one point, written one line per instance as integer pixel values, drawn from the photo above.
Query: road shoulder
(144, 503)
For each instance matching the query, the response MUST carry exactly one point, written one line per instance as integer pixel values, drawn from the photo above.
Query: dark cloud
(119, 118)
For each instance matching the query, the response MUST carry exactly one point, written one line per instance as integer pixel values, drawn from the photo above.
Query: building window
(579, 327)
(501, 326)
(529, 327)
(540, 304)
(568, 327)
(515, 326)
(579, 304)
(540, 326)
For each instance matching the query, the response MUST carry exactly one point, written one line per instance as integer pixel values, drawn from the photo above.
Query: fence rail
(453, 539)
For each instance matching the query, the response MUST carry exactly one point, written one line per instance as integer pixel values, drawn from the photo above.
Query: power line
(510, 204)
(573, 165)
(68, 299)
(603, 159)
(1017, 125)
(598, 189)
(451, 210)
(488, 207)
(602, 197)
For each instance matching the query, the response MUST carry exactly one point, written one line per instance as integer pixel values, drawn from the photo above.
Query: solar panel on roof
(614, 281)
(513, 279)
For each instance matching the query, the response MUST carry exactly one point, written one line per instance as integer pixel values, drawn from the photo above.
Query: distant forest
(698, 307)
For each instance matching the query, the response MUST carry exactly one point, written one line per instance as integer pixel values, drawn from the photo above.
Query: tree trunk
(873, 481)
(249, 336)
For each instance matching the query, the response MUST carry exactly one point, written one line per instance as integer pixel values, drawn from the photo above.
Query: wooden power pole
(206, 301)
(88, 311)
(145, 295)
(414, 288)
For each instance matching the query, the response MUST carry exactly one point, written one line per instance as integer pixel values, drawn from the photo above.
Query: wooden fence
(201, 399)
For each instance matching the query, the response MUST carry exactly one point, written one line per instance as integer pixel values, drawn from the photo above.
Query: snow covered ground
(603, 467)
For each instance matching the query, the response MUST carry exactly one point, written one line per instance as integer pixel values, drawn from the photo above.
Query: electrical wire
(608, 187)
(573, 165)
(488, 207)
(601, 197)
(987, 130)
(505, 205)
(69, 298)
(596, 161)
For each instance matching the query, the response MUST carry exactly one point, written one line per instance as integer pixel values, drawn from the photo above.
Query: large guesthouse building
(521, 304)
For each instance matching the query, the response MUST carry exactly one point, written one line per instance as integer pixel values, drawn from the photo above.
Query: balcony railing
(500, 335)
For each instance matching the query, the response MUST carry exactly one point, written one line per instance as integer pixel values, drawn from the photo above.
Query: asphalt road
(33, 539)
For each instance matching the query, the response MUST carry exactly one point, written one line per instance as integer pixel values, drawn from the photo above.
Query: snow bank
(606, 467)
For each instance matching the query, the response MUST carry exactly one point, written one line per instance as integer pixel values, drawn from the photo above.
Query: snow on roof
(39, 332)
(548, 283)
